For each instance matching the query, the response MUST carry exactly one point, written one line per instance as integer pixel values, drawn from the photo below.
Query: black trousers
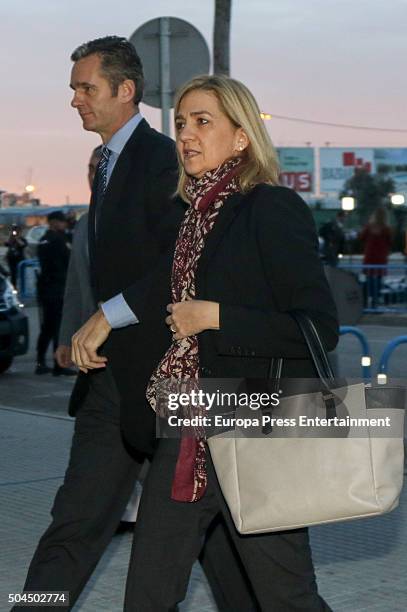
(13, 265)
(168, 538)
(51, 313)
(374, 287)
(89, 505)
(100, 478)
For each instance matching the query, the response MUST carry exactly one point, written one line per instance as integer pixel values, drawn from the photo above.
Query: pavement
(360, 565)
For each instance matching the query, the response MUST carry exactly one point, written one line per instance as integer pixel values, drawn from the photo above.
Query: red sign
(349, 159)
(299, 181)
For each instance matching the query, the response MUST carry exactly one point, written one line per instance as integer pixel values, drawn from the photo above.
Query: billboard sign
(337, 165)
(393, 163)
(297, 168)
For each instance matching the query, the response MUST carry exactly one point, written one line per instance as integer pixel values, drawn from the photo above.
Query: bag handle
(318, 354)
(315, 346)
(319, 358)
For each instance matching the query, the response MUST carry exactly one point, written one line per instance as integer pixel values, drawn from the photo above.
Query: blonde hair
(260, 162)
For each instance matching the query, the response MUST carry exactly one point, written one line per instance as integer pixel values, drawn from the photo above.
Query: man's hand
(63, 356)
(191, 317)
(87, 340)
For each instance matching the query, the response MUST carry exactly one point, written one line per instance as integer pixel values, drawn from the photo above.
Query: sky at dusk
(336, 61)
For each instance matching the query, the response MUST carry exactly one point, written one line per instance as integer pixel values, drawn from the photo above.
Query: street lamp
(397, 199)
(348, 203)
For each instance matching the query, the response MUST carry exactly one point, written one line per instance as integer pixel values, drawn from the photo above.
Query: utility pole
(221, 37)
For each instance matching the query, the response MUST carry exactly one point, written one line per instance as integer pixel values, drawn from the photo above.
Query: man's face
(57, 225)
(99, 110)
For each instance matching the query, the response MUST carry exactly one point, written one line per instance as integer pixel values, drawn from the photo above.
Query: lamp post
(397, 199)
(348, 203)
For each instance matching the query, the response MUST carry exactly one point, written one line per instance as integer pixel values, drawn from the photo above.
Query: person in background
(93, 164)
(78, 303)
(71, 222)
(377, 239)
(15, 244)
(53, 254)
(246, 255)
(334, 239)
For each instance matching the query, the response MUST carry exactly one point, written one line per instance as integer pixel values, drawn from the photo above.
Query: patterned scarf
(181, 361)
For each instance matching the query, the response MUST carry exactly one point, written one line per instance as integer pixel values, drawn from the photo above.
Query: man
(15, 251)
(79, 305)
(333, 236)
(70, 223)
(133, 220)
(53, 254)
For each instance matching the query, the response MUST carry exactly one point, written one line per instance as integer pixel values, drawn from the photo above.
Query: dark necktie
(101, 181)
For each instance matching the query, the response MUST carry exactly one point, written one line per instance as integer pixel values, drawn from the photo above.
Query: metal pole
(165, 74)
(366, 359)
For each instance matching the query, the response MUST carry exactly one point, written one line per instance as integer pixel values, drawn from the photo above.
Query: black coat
(53, 254)
(138, 223)
(259, 262)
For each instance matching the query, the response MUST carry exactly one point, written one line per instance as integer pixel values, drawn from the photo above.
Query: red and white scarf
(181, 361)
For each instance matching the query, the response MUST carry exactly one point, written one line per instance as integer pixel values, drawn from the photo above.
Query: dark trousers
(89, 505)
(374, 287)
(168, 537)
(99, 480)
(51, 315)
(13, 266)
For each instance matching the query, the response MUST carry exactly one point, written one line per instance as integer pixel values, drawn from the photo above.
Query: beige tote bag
(276, 480)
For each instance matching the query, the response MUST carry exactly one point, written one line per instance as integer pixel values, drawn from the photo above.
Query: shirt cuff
(118, 313)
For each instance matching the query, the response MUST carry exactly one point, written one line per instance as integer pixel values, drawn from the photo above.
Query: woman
(377, 238)
(246, 254)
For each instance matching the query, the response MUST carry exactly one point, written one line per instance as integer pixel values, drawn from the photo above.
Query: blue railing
(366, 359)
(384, 286)
(387, 353)
(27, 278)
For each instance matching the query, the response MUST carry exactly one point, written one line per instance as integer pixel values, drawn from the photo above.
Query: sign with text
(337, 165)
(297, 168)
(393, 163)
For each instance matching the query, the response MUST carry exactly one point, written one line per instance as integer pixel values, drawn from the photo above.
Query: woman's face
(205, 136)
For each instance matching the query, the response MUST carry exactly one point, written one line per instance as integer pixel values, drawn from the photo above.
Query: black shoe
(57, 371)
(124, 527)
(41, 368)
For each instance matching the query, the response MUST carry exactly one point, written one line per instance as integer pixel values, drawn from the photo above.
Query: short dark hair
(119, 61)
(56, 215)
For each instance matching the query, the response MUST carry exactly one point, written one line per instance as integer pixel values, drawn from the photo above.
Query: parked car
(33, 237)
(13, 325)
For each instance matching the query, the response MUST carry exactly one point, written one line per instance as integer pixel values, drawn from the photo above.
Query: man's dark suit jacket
(259, 262)
(137, 223)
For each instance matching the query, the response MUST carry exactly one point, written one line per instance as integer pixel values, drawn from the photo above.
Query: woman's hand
(191, 317)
